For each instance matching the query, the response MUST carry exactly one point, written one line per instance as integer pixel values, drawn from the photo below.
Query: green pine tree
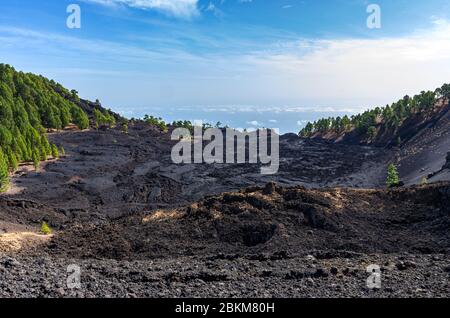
(43, 153)
(392, 177)
(45, 144)
(80, 118)
(12, 160)
(99, 118)
(36, 158)
(371, 133)
(55, 152)
(4, 173)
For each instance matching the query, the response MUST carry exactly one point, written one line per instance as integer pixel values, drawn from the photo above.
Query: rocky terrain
(339, 275)
(140, 226)
(111, 173)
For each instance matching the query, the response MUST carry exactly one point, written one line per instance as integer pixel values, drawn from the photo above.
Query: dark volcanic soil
(402, 275)
(140, 226)
(112, 173)
(288, 220)
(424, 156)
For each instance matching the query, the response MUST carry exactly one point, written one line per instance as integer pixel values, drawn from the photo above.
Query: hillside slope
(424, 156)
(392, 125)
(416, 130)
(31, 105)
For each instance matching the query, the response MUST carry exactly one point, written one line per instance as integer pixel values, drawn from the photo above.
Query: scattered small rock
(270, 188)
(404, 265)
(401, 266)
(9, 262)
(334, 270)
(320, 272)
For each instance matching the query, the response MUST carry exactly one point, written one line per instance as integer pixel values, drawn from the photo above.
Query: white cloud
(177, 8)
(211, 7)
(354, 73)
(254, 123)
(289, 76)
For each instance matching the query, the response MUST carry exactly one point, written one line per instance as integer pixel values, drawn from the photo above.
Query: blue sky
(233, 57)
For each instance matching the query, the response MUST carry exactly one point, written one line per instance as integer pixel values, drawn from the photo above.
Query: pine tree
(29, 153)
(4, 173)
(62, 151)
(111, 120)
(43, 153)
(55, 152)
(36, 158)
(99, 118)
(46, 148)
(371, 133)
(392, 177)
(21, 149)
(6, 137)
(80, 118)
(12, 160)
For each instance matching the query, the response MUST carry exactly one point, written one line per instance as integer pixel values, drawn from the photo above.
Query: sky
(244, 62)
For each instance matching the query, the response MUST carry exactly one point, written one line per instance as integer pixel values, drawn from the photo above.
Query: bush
(45, 229)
